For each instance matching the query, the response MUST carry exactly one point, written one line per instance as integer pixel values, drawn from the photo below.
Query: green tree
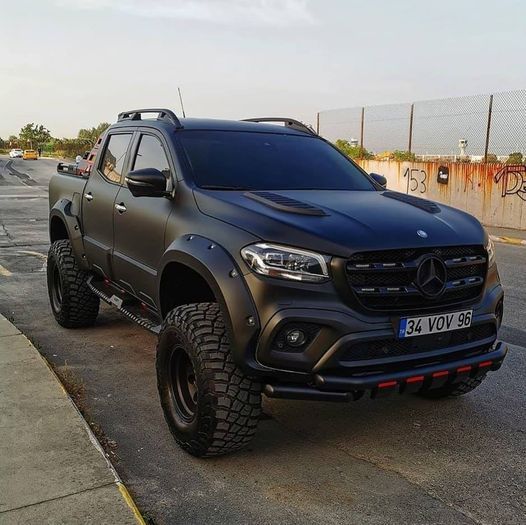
(90, 135)
(12, 141)
(67, 148)
(355, 152)
(491, 158)
(34, 135)
(515, 158)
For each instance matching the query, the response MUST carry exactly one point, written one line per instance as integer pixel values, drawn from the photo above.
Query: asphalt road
(396, 461)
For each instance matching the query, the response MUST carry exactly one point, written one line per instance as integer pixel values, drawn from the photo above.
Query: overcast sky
(73, 63)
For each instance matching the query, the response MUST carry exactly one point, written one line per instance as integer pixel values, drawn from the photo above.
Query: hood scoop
(282, 203)
(423, 204)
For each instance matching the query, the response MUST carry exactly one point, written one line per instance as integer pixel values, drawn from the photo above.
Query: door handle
(120, 207)
(89, 196)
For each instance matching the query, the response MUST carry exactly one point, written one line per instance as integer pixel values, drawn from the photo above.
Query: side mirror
(146, 182)
(380, 179)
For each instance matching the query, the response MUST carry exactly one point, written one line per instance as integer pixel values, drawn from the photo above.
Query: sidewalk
(507, 235)
(52, 469)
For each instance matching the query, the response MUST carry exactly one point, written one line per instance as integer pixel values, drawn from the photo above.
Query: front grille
(386, 348)
(385, 280)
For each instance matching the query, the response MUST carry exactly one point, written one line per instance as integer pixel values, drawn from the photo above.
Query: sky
(70, 64)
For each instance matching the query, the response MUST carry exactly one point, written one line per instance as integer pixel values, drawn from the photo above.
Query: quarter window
(150, 154)
(113, 160)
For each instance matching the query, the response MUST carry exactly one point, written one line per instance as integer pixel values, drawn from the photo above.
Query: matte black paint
(206, 229)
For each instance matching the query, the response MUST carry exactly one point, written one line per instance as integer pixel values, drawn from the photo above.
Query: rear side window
(112, 162)
(150, 154)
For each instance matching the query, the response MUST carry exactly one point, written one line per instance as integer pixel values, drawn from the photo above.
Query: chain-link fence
(478, 128)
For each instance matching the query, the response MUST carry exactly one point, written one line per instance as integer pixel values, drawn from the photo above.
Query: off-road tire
(455, 389)
(74, 305)
(227, 403)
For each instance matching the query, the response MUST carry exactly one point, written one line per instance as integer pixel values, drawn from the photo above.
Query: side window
(150, 154)
(112, 162)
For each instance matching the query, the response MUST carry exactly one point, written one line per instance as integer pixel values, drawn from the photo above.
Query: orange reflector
(464, 369)
(484, 364)
(387, 384)
(414, 379)
(441, 374)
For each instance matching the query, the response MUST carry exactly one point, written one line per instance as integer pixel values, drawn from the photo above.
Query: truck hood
(346, 221)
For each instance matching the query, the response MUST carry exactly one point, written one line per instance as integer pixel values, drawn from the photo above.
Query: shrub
(354, 152)
(403, 156)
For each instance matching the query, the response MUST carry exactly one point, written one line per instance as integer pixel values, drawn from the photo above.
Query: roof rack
(162, 113)
(289, 123)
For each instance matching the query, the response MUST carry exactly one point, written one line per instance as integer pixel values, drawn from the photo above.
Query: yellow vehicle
(30, 154)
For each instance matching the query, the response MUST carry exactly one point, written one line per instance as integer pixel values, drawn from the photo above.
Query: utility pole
(362, 120)
(410, 145)
(486, 147)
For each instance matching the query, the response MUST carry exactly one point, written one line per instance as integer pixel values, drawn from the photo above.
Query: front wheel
(210, 405)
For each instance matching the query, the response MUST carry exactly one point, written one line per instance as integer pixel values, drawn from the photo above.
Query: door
(99, 200)
(140, 223)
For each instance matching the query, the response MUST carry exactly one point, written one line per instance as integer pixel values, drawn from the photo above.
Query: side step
(129, 306)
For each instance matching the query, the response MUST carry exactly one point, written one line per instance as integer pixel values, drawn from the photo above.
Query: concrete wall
(494, 193)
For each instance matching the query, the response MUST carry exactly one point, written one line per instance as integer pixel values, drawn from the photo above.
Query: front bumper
(345, 388)
(344, 330)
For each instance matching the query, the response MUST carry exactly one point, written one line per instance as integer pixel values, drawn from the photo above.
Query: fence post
(318, 123)
(361, 130)
(409, 146)
(488, 128)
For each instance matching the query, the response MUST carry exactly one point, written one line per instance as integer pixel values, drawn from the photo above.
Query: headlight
(285, 262)
(490, 248)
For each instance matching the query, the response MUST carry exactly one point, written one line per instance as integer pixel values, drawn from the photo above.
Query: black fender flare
(215, 265)
(65, 209)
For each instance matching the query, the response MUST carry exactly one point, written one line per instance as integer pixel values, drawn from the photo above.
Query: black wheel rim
(56, 290)
(183, 385)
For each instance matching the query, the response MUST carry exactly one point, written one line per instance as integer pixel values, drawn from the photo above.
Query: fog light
(296, 338)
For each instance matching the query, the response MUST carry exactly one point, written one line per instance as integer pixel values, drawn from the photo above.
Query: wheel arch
(212, 274)
(64, 224)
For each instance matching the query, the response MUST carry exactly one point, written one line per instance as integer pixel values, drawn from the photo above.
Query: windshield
(239, 160)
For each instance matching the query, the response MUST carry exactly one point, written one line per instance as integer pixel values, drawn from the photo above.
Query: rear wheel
(210, 405)
(73, 304)
(455, 389)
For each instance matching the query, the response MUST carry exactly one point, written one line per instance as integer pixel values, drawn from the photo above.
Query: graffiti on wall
(416, 180)
(513, 180)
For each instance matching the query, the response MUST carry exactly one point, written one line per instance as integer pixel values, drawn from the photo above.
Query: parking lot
(399, 460)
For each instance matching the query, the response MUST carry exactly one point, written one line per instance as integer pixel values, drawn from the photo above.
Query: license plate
(433, 324)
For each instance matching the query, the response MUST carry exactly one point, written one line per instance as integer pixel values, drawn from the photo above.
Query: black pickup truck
(269, 263)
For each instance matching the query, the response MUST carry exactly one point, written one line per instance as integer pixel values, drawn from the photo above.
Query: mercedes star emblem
(431, 276)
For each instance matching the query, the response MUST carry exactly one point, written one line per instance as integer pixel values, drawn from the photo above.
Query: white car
(16, 153)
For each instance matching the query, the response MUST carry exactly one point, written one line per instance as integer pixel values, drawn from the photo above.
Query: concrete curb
(103, 504)
(509, 240)
(126, 496)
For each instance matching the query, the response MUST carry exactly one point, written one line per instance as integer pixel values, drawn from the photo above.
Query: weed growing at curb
(77, 391)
